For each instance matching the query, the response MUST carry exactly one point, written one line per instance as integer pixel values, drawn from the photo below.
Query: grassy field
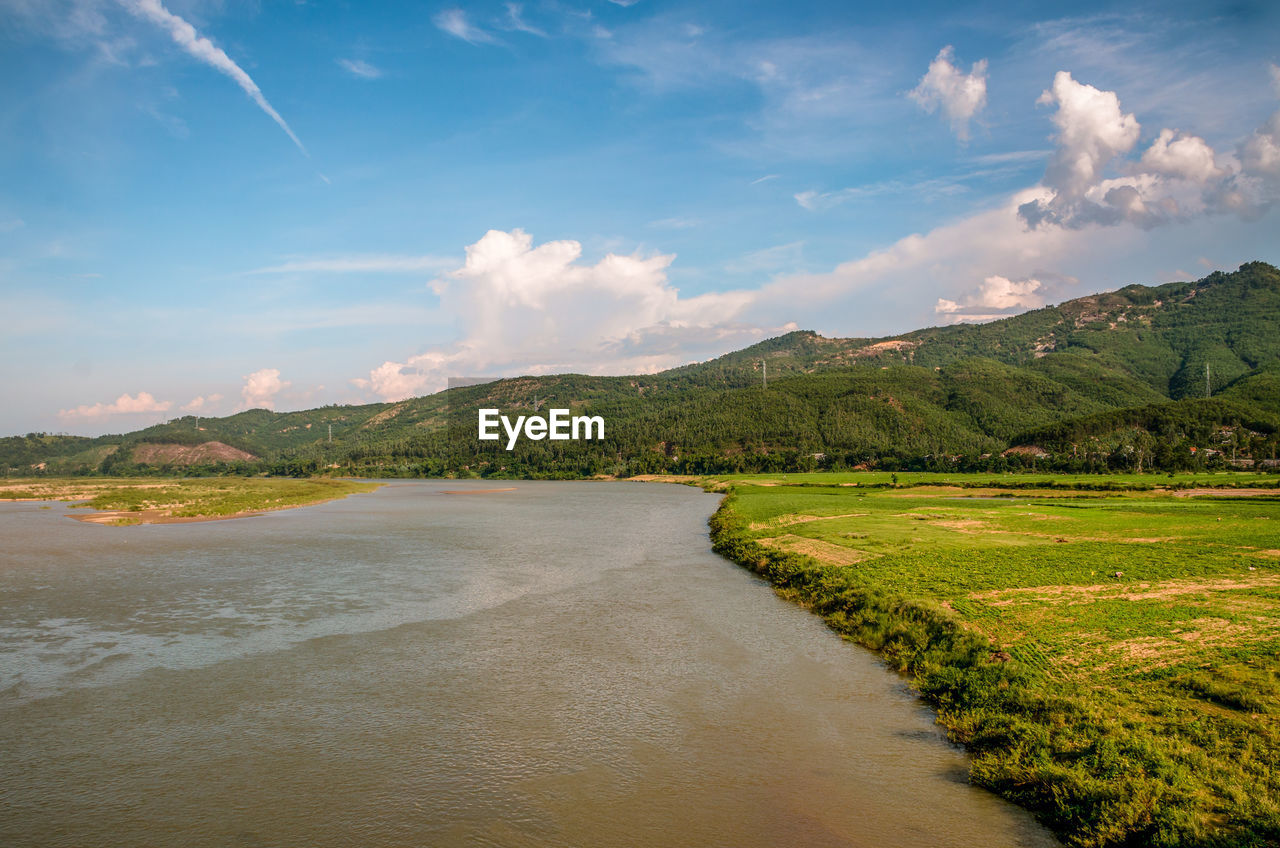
(137, 500)
(1018, 480)
(1110, 657)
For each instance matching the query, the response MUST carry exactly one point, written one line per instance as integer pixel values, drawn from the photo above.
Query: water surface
(563, 664)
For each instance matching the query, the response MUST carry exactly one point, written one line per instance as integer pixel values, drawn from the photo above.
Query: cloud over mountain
(540, 309)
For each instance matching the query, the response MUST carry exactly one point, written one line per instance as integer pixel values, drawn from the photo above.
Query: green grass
(1139, 709)
(1184, 479)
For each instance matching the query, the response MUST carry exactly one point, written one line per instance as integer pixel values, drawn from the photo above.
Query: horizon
(211, 207)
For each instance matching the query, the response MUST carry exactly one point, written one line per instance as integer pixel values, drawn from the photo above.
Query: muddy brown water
(563, 664)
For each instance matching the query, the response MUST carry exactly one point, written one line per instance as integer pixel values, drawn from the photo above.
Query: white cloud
(1177, 178)
(997, 297)
(961, 96)
(1188, 157)
(360, 68)
(261, 387)
(123, 405)
(367, 263)
(454, 22)
(202, 403)
(1260, 152)
(818, 201)
(676, 223)
(201, 48)
(515, 21)
(1092, 130)
(540, 310)
(899, 285)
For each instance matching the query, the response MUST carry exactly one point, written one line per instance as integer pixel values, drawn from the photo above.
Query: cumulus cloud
(455, 22)
(261, 387)
(1187, 157)
(540, 309)
(961, 96)
(1092, 130)
(201, 403)
(204, 50)
(1178, 177)
(997, 297)
(123, 405)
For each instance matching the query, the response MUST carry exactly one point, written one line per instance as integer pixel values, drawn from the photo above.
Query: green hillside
(1105, 382)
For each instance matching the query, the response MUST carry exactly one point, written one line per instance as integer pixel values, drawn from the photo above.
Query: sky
(208, 206)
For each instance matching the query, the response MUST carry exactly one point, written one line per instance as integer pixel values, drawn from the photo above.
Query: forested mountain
(1132, 379)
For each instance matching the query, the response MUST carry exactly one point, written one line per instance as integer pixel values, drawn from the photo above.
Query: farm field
(1107, 651)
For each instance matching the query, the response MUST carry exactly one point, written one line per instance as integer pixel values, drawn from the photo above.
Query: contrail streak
(186, 37)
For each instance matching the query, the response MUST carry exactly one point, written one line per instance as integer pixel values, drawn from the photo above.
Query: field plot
(1129, 689)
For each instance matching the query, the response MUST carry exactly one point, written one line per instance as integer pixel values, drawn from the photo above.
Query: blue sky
(208, 206)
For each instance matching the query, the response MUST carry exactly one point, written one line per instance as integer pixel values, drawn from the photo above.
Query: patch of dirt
(172, 454)
(800, 518)
(1226, 493)
(963, 525)
(384, 415)
(1180, 644)
(1132, 592)
(825, 552)
(1026, 450)
(884, 347)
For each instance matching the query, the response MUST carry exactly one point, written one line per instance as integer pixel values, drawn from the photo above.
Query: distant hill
(1131, 379)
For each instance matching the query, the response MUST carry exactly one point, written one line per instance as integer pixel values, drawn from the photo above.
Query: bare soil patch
(1226, 493)
(207, 452)
(1135, 592)
(801, 518)
(827, 552)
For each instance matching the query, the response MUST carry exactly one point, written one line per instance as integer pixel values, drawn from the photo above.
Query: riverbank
(1107, 653)
(146, 500)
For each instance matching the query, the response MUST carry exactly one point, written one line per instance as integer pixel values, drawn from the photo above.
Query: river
(562, 664)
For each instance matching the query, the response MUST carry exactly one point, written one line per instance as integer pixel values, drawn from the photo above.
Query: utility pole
(764, 364)
(330, 432)
(197, 422)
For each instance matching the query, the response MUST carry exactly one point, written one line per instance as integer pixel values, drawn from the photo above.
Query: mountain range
(1180, 375)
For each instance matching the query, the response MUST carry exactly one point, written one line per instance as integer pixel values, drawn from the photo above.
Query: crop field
(136, 500)
(1139, 628)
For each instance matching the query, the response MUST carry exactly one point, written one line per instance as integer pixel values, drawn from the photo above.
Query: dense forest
(1178, 376)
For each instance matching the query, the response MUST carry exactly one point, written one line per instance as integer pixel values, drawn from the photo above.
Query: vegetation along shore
(1106, 649)
(157, 500)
